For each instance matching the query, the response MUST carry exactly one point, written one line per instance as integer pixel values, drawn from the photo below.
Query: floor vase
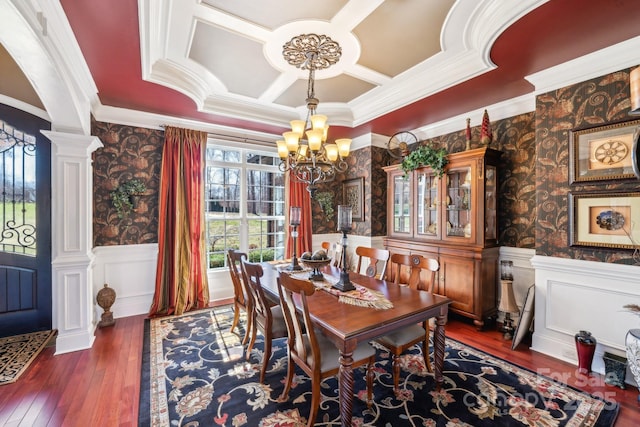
(632, 342)
(586, 347)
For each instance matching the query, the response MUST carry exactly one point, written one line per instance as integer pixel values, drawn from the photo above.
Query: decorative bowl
(315, 266)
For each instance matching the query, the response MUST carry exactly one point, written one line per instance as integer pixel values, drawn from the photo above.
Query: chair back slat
(261, 308)
(377, 258)
(414, 270)
(234, 261)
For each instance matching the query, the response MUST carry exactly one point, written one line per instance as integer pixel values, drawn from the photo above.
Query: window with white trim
(244, 205)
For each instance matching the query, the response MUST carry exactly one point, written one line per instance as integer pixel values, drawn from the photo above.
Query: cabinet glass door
(458, 203)
(490, 202)
(427, 204)
(401, 206)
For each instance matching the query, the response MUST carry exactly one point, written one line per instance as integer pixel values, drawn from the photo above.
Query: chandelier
(305, 151)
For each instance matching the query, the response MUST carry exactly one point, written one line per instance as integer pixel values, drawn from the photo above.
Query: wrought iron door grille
(18, 198)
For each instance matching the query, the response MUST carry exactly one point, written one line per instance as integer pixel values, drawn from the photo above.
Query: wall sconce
(295, 213)
(344, 225)
(507, 300)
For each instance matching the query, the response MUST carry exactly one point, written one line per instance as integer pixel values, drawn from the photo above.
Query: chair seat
(331, 355)
(402, 338)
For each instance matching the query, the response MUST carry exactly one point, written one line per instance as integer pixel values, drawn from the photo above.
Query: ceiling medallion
(312, 160)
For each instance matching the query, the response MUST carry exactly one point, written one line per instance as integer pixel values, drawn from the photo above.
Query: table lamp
(507, 300)
(294, 221)
(344, 226)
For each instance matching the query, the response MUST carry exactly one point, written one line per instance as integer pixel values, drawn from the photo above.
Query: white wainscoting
(574, 295)
(131, 271)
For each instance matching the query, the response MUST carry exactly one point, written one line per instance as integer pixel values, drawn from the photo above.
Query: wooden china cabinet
(453, 219)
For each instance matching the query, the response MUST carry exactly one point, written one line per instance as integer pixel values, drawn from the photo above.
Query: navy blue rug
(194, 373)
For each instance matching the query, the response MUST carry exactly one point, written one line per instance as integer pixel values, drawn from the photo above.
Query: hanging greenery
(426, 155)
(122, 197)
(325, 200)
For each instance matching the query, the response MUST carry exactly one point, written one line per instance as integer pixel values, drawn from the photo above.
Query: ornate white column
(72, 234)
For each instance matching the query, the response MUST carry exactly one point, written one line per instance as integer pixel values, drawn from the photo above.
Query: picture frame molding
(583, 208)
(582, 141)
(354, 187)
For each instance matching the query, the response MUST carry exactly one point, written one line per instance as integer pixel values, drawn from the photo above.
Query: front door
(25, 223)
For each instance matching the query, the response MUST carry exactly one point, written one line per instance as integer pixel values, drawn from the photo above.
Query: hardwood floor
(101, 386)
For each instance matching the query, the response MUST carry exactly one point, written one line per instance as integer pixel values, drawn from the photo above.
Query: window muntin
(244, 199)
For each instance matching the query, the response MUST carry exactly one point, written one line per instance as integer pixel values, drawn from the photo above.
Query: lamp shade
(344, 145)
(344, 218)
(283, 151)
(332, 152)
(507, 300)
(297, 126)
(291, 139)
(294, 215)
(315, 139)
(318, 121)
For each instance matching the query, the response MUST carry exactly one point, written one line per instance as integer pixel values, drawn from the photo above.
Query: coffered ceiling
(404, 63)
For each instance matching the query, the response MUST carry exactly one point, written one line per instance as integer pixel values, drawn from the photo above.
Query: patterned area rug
(18, 351)
(194, 373)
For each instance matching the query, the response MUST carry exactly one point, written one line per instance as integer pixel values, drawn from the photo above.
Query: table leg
(438, 349)
(346, 387)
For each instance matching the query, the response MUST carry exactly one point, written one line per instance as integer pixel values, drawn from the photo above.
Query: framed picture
(603, 152)
(353, 195)
(608, 220)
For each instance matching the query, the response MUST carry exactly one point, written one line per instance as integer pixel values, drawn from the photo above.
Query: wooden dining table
(346, 325)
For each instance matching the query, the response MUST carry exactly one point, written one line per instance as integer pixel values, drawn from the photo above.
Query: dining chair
(337, 256)
(241, 297)
(267, 318)
(316, 355)
(375, 256)
(410, 270)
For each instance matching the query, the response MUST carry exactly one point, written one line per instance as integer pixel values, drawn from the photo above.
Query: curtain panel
(181, 272)
(299, 196)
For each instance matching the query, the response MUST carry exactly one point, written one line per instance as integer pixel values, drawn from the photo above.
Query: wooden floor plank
(101, 386)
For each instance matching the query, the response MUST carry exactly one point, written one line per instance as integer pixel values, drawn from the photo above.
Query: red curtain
(181, 272)
(299, 196)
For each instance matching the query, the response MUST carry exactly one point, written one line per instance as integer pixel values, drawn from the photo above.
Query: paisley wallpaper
(595, 102)
(363, 163)
(128, 153)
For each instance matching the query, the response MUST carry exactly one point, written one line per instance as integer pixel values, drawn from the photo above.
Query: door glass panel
(18, 198)
(458, 203)
(427, 209)
(490, 203)
(401, 208)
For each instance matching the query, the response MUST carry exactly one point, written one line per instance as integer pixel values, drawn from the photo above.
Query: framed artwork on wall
(353, 195)
(603, 152)
(607, 220)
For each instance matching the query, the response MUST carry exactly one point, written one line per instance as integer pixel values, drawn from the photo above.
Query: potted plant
(325, 200)
(426, 155)
(124, 198)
